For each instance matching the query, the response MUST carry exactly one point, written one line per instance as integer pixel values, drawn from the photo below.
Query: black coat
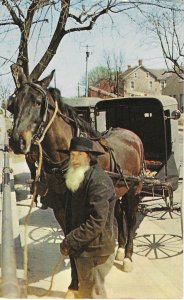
(90, 215)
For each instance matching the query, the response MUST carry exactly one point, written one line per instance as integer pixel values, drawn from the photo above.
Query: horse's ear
(46, 81)
(22, 79)
(18, 75)
(10, 104)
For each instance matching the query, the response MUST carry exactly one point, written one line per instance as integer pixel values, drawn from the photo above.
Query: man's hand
(65, 247)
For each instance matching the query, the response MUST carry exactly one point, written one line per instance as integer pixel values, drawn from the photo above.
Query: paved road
(157, 257)
(157, 272)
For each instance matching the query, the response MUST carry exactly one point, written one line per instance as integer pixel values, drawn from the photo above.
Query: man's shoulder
(96, 168)
(100, 173)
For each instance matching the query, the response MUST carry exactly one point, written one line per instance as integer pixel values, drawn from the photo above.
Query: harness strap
(114, 164)
(118, 169)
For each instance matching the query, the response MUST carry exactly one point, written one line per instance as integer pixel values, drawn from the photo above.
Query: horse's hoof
(127, 265)
(71, 294)
(120, 254)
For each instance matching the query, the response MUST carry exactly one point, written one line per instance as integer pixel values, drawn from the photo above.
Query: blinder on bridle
(45, 103)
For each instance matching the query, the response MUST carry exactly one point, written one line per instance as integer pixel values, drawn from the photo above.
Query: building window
(147, 74)
(132, 85)
(162, 84)
(135, 75)
(151, 84)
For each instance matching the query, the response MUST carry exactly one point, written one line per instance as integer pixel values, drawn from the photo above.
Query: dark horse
(33, 105)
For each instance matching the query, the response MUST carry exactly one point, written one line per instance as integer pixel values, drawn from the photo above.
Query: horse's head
(29, 105)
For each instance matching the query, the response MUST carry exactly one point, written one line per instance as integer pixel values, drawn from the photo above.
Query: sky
(70, 60)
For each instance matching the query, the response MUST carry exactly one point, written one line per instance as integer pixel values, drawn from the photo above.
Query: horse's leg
(31, 166)
(73, 287)
(131, 207)
(122, 229)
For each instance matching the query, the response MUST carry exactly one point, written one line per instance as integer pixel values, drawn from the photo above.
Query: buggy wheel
(160, 212)
(160, 208)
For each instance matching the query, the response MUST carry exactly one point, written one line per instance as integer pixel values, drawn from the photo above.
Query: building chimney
(140, 62)
(129, 67)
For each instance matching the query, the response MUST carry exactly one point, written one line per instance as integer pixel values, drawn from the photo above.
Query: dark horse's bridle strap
(41, 127)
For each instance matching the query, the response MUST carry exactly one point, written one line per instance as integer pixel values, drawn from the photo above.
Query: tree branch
(13, 14)
(55, 41)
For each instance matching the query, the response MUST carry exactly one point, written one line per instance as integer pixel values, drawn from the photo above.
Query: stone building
(175, 88)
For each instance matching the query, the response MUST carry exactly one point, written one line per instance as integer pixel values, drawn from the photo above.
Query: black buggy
(154, 120)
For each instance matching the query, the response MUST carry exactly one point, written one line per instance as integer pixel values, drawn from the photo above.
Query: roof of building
(93, 88)
(159, 74)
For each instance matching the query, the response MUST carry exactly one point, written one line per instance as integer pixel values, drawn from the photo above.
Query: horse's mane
(71, 112)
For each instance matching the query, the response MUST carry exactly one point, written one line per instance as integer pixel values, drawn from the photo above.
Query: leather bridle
(44, 108)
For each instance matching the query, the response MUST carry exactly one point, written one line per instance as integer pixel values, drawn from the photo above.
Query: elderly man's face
(79, 164)
(79, 159)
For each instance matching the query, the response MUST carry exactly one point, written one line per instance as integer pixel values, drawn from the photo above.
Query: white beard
(74, 177)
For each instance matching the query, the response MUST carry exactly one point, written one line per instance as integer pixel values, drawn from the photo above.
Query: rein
(38, 172)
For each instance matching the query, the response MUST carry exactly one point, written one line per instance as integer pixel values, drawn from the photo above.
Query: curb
(15, 216)
(17, 239)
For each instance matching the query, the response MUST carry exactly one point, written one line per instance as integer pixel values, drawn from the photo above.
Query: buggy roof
(163, 100)
(81, 101)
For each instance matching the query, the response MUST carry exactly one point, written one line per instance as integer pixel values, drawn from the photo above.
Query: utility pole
(86, 71)
(87, 57)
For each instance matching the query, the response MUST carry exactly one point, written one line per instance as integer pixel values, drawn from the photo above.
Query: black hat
(81, 144)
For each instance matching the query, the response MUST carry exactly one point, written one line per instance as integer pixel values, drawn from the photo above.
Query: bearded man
(90, 200)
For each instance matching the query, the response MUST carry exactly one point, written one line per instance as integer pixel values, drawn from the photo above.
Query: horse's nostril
(21, 142)
(25, 141)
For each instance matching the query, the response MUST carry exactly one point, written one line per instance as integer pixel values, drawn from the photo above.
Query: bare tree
(109, 70)
(169, 31)
(4, 94)
(4, 91)
(114, 64)
(64, 17)
(166, 27)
